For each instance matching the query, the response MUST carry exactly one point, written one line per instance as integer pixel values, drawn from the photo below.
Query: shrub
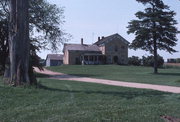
(149, 61)
(178, 60)
(171, 60)
(134, 60)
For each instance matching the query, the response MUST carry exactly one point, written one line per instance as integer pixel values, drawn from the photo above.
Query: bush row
(145, 61)
(173, 60)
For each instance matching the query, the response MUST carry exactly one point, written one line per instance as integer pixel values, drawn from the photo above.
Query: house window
(123, 47)
(116, 49)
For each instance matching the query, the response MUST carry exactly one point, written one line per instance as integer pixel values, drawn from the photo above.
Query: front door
(115, 59)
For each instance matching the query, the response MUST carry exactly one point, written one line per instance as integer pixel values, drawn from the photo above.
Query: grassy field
(168, 76)
(172, 65)
(68, 101)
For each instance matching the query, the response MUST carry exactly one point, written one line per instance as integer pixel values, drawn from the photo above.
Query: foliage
(145, 61)
(45, 29)
(173, 60)
(47, 20)
(3, 43)
(149, 61)
(178, 60)
(159, 14)
(134, 60)
(154, 29)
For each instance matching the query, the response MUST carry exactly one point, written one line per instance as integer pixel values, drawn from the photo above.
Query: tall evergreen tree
(154, 29)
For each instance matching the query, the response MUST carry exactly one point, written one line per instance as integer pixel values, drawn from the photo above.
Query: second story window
(123, 47)
(116, 49)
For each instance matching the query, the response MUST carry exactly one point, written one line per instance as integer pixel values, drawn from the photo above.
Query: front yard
(170, 76)
(68, 101)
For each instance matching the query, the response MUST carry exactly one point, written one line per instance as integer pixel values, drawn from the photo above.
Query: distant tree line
(173, 60)
(145, 61)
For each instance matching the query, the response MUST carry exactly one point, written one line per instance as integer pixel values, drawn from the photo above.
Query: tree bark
(155, 44)
(155, 58)
(19, 42)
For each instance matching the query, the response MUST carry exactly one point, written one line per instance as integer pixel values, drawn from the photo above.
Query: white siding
(48, 62)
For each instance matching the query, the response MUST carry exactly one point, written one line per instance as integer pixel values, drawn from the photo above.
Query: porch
(93, 59)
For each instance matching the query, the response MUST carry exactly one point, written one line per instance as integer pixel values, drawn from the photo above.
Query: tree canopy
(45, 21)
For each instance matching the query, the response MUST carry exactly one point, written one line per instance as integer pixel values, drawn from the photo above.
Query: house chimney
(99, 38)
(82, 41)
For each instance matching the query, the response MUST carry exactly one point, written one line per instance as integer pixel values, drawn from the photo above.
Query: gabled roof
(55, 56)
(81, 47)
(110, 38)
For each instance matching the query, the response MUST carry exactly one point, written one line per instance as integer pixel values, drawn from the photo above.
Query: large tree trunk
(155, 45)
(155, 53)
(155, 58)
(19, 42)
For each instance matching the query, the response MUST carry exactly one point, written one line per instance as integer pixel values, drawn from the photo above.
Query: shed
(54, 59)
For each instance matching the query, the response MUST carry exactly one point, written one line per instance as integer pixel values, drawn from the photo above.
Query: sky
(90, 19)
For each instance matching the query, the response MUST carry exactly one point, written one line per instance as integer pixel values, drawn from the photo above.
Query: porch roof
(93, 54)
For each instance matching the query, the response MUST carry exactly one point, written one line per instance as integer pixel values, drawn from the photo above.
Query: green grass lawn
(124, 73)
(70, 101)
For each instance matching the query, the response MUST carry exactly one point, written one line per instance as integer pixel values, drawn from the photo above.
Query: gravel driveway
(61, 76)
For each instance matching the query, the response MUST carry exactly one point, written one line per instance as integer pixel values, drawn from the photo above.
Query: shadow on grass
(84, 75)
(178, 81)
(39, 75)
(126, 94)
(169, 74)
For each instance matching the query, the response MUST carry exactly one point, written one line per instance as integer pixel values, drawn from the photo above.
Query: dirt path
(61, 76)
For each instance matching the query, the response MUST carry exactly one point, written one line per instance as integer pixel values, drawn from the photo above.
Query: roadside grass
(139, 74)
(70, 101)
(173, 65)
